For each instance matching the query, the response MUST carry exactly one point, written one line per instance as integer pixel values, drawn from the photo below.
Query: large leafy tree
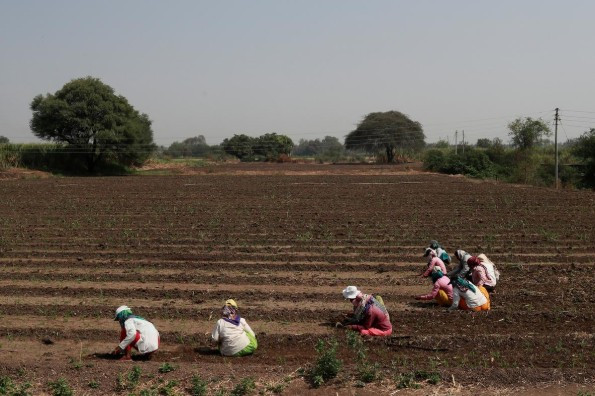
(3, 140)
(386, 132)
(95, 123)
(240, 146)
(527, 133)
(272, 145)
(268, 146)
(585, 150)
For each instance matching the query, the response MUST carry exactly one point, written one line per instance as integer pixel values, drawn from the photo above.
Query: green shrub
(168, 388)
(434, 159)
(199, 386)
(60, 387)
(367, 372)
(166, 368)
(134, 377)
(6, 385)
(406, 380)
(432, 377)
(245, 387)
(327, 364)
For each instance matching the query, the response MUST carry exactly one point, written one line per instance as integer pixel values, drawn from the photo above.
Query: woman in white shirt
(233, 334)
(135, 332)
(467, 296)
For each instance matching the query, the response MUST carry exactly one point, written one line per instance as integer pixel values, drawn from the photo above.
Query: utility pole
(556, 119)
(456, 141)
(463, 142)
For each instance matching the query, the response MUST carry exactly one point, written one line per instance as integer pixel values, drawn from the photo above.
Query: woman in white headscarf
(232, 333)
(462, 268)
(135, 332)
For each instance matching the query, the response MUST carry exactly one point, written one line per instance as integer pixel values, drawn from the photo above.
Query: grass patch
(60, 387)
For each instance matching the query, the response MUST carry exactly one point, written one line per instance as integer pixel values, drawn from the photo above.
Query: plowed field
(283, 241)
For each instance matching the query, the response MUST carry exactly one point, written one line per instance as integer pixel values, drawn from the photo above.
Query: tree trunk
(390, 154)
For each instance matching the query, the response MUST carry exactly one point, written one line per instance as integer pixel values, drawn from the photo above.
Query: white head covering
(120, 309)
(350, 292)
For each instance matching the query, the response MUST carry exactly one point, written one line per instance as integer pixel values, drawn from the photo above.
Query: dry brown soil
(284, 240)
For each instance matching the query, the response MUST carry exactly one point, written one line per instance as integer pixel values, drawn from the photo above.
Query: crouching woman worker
(467, 296)
(135, 332)
(442, 290)
(370, 316)
(433, 262)
(483, 272)
(232, 333)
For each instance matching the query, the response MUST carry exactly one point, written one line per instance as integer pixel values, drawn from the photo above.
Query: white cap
(350, 292)
(120, 309)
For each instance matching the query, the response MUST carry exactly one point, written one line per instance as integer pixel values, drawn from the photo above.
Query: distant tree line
(94, 130)
(529, 158)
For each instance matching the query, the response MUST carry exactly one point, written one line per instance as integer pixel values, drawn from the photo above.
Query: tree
(239, 146)
(4, 140)
(94, 122)
(483, 143)
(191, 147)
(585, 150)
(386, 132)
(526, 134)
(272, 145)
(441, 144)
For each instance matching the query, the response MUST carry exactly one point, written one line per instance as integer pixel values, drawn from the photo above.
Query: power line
(578, 111)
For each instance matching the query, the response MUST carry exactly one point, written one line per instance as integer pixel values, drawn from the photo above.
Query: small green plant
(327, 364)
(22, 390)
(406, 380)
(93, 384)
(76, 364)
(431, 377)
(305, 237)
(277, 389)
(60, 387)
(245, 387)
(133, 377)
(549, 236)
(168, 389)
(367, 372)
(6, 385)
(120, 383)
(166, 368)
(199, 386)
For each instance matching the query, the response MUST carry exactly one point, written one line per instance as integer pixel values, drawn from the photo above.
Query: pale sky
(306, 68)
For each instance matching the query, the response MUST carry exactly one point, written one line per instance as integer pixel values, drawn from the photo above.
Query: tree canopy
(3, 140)
(95, 123)
(585, 150)
(527, 133)
(268, 146)
(191, 147)
(330, 145)
(386, 132)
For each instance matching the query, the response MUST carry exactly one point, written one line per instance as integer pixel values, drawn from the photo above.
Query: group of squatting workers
(467, 286)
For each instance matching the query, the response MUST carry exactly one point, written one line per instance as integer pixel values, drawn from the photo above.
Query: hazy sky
(306, 68)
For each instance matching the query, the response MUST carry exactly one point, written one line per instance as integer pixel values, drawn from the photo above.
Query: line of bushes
(536, 167)
(49, 157)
